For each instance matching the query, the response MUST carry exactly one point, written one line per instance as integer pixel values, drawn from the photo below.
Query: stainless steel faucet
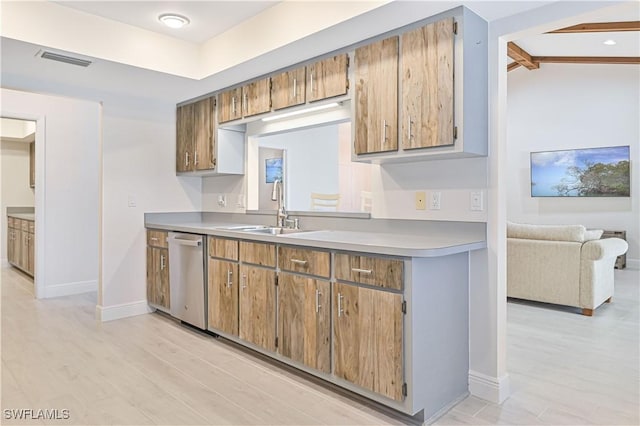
(278, 195)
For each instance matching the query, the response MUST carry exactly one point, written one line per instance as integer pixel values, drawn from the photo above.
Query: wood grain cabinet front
(304, 318)
(370, 270)
(257, 253)
(158, 289)
(376, 97)
(257, 305)
(223, 294)
(196, 136)
(426, 66)
(368, 339)
(288, 88)
(223, 248)
(328, 78)
(230, 105)
(307, 261)
(256, 97)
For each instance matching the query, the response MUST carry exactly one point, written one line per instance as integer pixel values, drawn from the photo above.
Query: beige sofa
(561, 264)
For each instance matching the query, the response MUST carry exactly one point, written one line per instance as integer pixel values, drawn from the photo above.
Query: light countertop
(406, 245)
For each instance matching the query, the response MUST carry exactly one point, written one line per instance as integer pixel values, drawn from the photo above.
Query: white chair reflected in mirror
(366, 201)
(325, 202)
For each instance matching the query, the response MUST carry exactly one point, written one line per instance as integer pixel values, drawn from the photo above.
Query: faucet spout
(278, 195)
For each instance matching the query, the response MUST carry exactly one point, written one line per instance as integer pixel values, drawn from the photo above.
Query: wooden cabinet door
(158, 277)
(11, 235)
(328, 78)
(376, 97)
(427, 85)
(230, 105)
(258, 306)
(32, 164)
(304, 320)
(24, 250)
(223, 296)
(288, 88)
(368, 328)
(30, 253)
(204, 134)
(256, 97)
(184, 137)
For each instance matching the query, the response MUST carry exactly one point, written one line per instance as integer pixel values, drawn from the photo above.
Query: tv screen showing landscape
(589, 172)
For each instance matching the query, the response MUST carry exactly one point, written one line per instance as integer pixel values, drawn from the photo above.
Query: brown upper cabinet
(376, 97)
(426, 64)
(256, 97)
(230, 105)
(288, 88)
(328, 78)
(196, 136)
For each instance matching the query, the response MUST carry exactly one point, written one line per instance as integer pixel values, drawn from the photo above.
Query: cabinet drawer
(377, 271)
(157, 238)
(258, 253)
(223, 248)
(311, 262)
(10, 222)
(32, 226)
(24, 225)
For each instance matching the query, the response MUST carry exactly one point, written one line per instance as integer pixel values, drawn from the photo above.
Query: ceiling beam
(512, 66)
(587, 59)
(521, 56)
(599, 27)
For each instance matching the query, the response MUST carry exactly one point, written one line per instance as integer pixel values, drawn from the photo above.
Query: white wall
(138, 165)
(15, 190)
(67, 150)
(566, 107)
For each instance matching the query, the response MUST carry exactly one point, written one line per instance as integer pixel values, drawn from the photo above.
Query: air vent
(66, 59)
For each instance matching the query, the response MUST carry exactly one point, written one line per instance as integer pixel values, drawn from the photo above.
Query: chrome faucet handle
(291, 223)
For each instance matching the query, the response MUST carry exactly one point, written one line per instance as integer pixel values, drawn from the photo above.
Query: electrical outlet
(434, 201)
(131, 201)
(421, 200)
(475, 201)
(222, 200)
(240, 201)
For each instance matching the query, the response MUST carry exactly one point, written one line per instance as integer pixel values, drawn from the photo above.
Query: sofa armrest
(600, 249)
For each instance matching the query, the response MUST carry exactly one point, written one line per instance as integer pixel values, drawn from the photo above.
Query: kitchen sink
(272, 230)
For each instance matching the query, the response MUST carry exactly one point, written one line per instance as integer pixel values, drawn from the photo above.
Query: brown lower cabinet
(368, 328)
(304, 320)
(223, 295)
(158, 291)
(258, 306)
(21, 244)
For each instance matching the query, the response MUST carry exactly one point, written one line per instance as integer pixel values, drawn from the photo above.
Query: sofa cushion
(574, 233)
(592, 234)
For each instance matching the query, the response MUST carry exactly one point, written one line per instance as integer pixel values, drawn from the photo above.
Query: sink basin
(272, 230)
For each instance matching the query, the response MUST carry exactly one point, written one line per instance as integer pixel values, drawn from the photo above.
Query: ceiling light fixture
(172, 20)
(301, 111)
(610, 42)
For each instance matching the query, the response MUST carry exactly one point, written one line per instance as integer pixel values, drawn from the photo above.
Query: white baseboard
(492, 389)
(633, 263)
(69, 289)
(110, 313)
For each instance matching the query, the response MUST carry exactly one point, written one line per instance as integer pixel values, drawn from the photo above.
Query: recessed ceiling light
(610, 42)
(172, 20)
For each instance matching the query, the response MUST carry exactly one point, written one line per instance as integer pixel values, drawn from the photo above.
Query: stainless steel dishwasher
(186, 278)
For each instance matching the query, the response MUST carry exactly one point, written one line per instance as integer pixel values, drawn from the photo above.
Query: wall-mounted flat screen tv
(589, 172)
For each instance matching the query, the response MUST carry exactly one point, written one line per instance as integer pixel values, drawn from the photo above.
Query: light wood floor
(565, 369)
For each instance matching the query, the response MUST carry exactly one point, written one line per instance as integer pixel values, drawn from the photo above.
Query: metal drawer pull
(340, 311)
(299, 262)
(229, 274)
(244, 281)
(233, 105)
(362, 271)
(384, 131)
(162, 263)
(409, 135)
(186, 159)
(295, 87)
(311, 89)
(154, 239)
(318, 301)
(195, 158)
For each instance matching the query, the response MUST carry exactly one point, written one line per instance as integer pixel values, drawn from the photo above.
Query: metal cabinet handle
(195, 158)
(340, 311)
(384, 131)
(246, 104)
(295, 87)
(311, 82)
(299, 262)
(409, 135)
(162, 262)
(233, 105)
(362, 271)
(244, 281)
(318, 294)
(153, 239)
(229, 274)
(186, 159)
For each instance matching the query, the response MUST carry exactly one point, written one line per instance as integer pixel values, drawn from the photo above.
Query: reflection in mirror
(316, 167)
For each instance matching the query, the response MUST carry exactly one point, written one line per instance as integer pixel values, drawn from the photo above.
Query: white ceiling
(208, 18)
(583, 44)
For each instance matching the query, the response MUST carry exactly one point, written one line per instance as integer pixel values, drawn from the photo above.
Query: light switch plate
(421, 200)
(131, 201)
(434, 201)
(222, 200)
(475, 201)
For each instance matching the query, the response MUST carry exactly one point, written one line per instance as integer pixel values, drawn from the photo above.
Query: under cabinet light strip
(66, 59)
(301, 111)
